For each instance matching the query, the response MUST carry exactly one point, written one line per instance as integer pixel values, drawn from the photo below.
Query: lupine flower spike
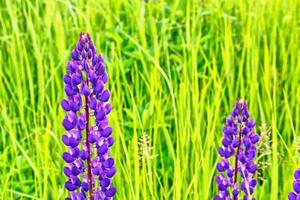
(236, 169)
(89, 167)
(295, 195)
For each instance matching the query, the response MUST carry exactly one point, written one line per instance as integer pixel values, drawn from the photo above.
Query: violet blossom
(238, 150)
(89, 167)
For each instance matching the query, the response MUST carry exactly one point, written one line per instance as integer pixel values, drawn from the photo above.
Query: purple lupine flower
(89, 166)
(238, 151)
(295, 195)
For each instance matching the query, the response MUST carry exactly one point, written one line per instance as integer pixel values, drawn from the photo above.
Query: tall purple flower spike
(89, 166)
(295, 195)
(237, 151)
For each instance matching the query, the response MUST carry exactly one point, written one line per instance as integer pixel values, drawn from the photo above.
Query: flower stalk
(238, 146)
(87, 129)
(89, 166)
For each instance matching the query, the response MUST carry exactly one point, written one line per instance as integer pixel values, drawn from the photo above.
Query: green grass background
(176, 68)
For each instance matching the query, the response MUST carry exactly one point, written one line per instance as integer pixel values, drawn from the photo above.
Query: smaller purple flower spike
(89, 166)
(295, 195)
(238, 151)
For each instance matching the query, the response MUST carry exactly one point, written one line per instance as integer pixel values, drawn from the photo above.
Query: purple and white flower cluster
(90, 167)
(238, 151)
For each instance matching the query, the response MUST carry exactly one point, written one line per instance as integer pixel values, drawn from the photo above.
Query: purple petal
(230, 172)
(251, 167)
(96, 171)
(104, 77)
(92, 76)
(111, 192)
(85, 90)
(254, 139)
(65, 105)
(81, 124)
(75, 152)
(110, 141)
(111, 172)
(73, 142)
(292, 196)
(67, 171)
(83, 155)
(105, 96)
(68, 158)
(102, 149)
(76, 79)
(297, 174)
(68, 125)
(105, 182)
(99, 86)
(85, 186)
(74, 106)
(86, 66)
(100, 68)
(106, 132)
(92, 103)
(296, 186)
(69, 90)
(95, 60)
(83, 54)
(235, 143)
(226, 141)
(76, 181)
(108, 163)
(246, 130)
(90, 54)
(91, 138)
(79, 46)
(70, 186)
(65, 139)
(108, 108)
(251, 123)
(100, 114)
(221, 151)
(253, 183)
(75, 171)
(67, 79)
(75, 55)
